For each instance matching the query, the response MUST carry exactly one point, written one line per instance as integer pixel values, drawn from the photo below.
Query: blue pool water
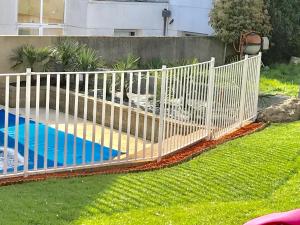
(51, 145)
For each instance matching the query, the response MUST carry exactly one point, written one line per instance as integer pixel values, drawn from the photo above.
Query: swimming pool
(98, 155)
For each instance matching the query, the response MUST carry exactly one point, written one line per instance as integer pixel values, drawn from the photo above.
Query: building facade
(105, 18)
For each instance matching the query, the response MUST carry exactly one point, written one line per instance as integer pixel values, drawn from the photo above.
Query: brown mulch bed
(168, 161)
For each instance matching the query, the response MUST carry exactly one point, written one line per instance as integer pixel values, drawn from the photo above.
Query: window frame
(41, 25)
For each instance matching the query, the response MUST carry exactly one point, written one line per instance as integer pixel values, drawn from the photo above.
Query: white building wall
(75, 17)
(8, 17)
(103, 17)
(190, 16)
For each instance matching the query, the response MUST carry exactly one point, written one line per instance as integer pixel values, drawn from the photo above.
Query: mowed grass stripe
(246, 169)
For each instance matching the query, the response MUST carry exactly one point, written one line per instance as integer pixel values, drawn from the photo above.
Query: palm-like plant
(87, 60)
(66, 53)
(27, 56)
(129, 63)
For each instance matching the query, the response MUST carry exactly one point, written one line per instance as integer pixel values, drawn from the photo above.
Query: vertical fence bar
(56, 119)
(37, 120)
(210, 96)
(145, 115)
(257, 84)
(129, 115)
(193, 104)
(168, 107)
(103, 116)
(94, 116)
(27, 115)
(217, 100)
(172, 117)
(228, 87)
(243, 91)
(198, 103)
(177, 114)
(137, 115)
(6, 124)
(186, 110)
(224, 99)
(203, 85)
(86, 89)
(189, 106)
(75, 119)
(16, 151)
(122, 87)
(47, 122)
(66, 118)
(162, 112)
(182, 98)
(166, 113)
(154, 113)
(112, 114)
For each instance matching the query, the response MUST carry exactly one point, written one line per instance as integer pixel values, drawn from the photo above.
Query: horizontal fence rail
(73, 120)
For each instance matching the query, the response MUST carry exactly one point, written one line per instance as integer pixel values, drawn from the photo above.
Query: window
(29, 11)
(53, 11)
(125, 33)
(191, 34)
(41, 17)
(28, 31)
(53, 31)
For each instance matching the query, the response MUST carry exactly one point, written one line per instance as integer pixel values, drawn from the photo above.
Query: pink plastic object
(286, 218)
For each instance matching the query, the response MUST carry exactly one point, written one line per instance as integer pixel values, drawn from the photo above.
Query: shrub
(130, 62)
(230, 18)
(87, 60)
(38, 59)
(65, 54)
(285, 19)
(68, 55)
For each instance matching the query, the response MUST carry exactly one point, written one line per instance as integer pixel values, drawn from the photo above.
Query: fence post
(27, 116)
(210, 98)
(243, 91)
(162, 112)
(257, 84)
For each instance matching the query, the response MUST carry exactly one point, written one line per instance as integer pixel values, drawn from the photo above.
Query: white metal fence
(64, 121)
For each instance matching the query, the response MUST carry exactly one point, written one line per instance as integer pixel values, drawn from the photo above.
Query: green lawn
(231, 184)
(281, 79)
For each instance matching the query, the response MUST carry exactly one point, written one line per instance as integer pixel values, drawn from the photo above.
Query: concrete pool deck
(135, 146)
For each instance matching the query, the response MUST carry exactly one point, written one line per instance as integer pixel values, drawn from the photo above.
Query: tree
(231, 18)
(285, 19)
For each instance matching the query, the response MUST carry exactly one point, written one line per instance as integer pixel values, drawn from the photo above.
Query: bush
(68, 55)
(231, 18)
(87, 60)
(38, 59)
(131, 62)
(285, 19)
(65, 54)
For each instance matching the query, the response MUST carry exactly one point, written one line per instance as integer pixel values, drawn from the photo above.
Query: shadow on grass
(52, 201)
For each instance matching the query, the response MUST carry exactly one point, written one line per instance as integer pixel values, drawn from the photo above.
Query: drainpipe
(165, 14)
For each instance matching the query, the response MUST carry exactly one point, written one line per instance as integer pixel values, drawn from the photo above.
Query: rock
(265, 101)
(287, 111)
(295, 60)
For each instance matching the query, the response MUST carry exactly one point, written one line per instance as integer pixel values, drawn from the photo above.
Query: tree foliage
(230, 18)
(285, 19)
